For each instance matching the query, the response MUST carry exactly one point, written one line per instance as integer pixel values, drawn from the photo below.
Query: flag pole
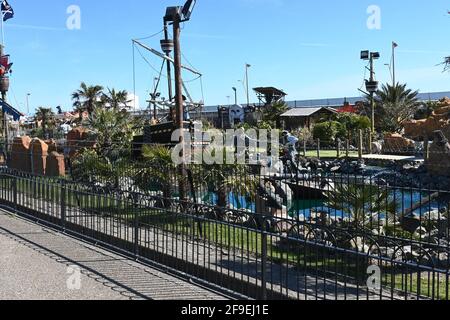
(394, 45)
(3, 29)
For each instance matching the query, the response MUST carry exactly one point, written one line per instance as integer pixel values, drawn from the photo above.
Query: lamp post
(247, 66)
(394, 46)
(28, 103)
(371, 84)
(177, 15)
(235, 95)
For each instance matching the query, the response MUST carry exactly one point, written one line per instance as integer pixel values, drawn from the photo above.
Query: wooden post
(318, 149)
(179, 123)
(304, 148)
(370, 142)
(338, 148)
(426, 148)
(360, 145)
(347, 148)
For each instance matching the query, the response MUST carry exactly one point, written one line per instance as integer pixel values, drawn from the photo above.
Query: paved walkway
(392, 157)
(34, 265)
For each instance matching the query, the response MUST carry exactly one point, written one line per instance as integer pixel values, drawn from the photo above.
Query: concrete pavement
(39, 264)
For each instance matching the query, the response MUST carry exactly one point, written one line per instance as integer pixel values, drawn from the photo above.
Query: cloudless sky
(310, 49)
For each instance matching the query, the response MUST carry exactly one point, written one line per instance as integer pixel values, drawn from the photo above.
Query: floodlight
(365, 55)
(187, 9)
(372, 86)
(172, 14)
(375, 55)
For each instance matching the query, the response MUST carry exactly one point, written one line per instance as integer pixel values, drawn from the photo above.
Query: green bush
(328, 131)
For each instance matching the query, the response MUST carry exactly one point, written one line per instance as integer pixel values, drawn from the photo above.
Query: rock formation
(55, 165)
(39, 153)
(20, 155)
(77, 139)
(439, 160)
(395, 143)
(439, 120)
(36, 157)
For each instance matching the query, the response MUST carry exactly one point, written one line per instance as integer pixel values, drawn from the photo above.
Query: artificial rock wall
(37, 157)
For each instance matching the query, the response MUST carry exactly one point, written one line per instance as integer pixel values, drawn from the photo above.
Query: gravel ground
(40, 264)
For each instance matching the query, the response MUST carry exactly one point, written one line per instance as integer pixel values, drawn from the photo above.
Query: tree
(363, 203)
(46, 117)
(272, 114)
(116, 99)
(113, 131)
(328, 131)
(394, 105)
(158, 172)
(446, 64)
(351, 123)
(87, 98)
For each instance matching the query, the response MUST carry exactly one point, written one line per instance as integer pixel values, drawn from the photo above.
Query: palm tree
(395, 104)
(113, 130)
(446, 64)
(46, 117)
(87, 98)
(363, 203)
(116, 99)
(157, 173)
(223, 179)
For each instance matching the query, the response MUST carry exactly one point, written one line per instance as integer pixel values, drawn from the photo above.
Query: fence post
(63, 205)
(15, 193)
(360, 145)
(318, 149)
(263, 259)
(136, 231)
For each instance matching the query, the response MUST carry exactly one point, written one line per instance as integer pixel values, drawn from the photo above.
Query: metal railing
(292, 236)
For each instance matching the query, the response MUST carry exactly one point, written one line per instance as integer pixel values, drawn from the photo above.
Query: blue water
(404, 200)
(236, 201)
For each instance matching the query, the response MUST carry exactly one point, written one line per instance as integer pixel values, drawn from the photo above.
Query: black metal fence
(299, 234)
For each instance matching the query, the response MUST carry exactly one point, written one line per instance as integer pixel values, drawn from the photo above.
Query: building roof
(270, 90)
(16, 114)
(305, 112)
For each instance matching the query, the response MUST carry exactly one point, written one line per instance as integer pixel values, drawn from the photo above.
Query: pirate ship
(5, 70)
(171, 112)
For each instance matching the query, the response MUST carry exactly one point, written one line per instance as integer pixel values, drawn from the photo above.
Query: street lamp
(28, 103)
(371, 84)
(235, 95)
(247, 66)
(175, 16)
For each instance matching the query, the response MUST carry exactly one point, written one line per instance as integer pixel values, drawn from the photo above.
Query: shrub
(328, 131)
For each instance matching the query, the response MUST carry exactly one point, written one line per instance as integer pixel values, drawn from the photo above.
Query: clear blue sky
(308, 48)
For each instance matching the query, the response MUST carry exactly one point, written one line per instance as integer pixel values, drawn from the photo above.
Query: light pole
(235, 95)
(247, 66)
(177, 15)
(371, 84)
(394, 46)
(28, 103)
(390, 70)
